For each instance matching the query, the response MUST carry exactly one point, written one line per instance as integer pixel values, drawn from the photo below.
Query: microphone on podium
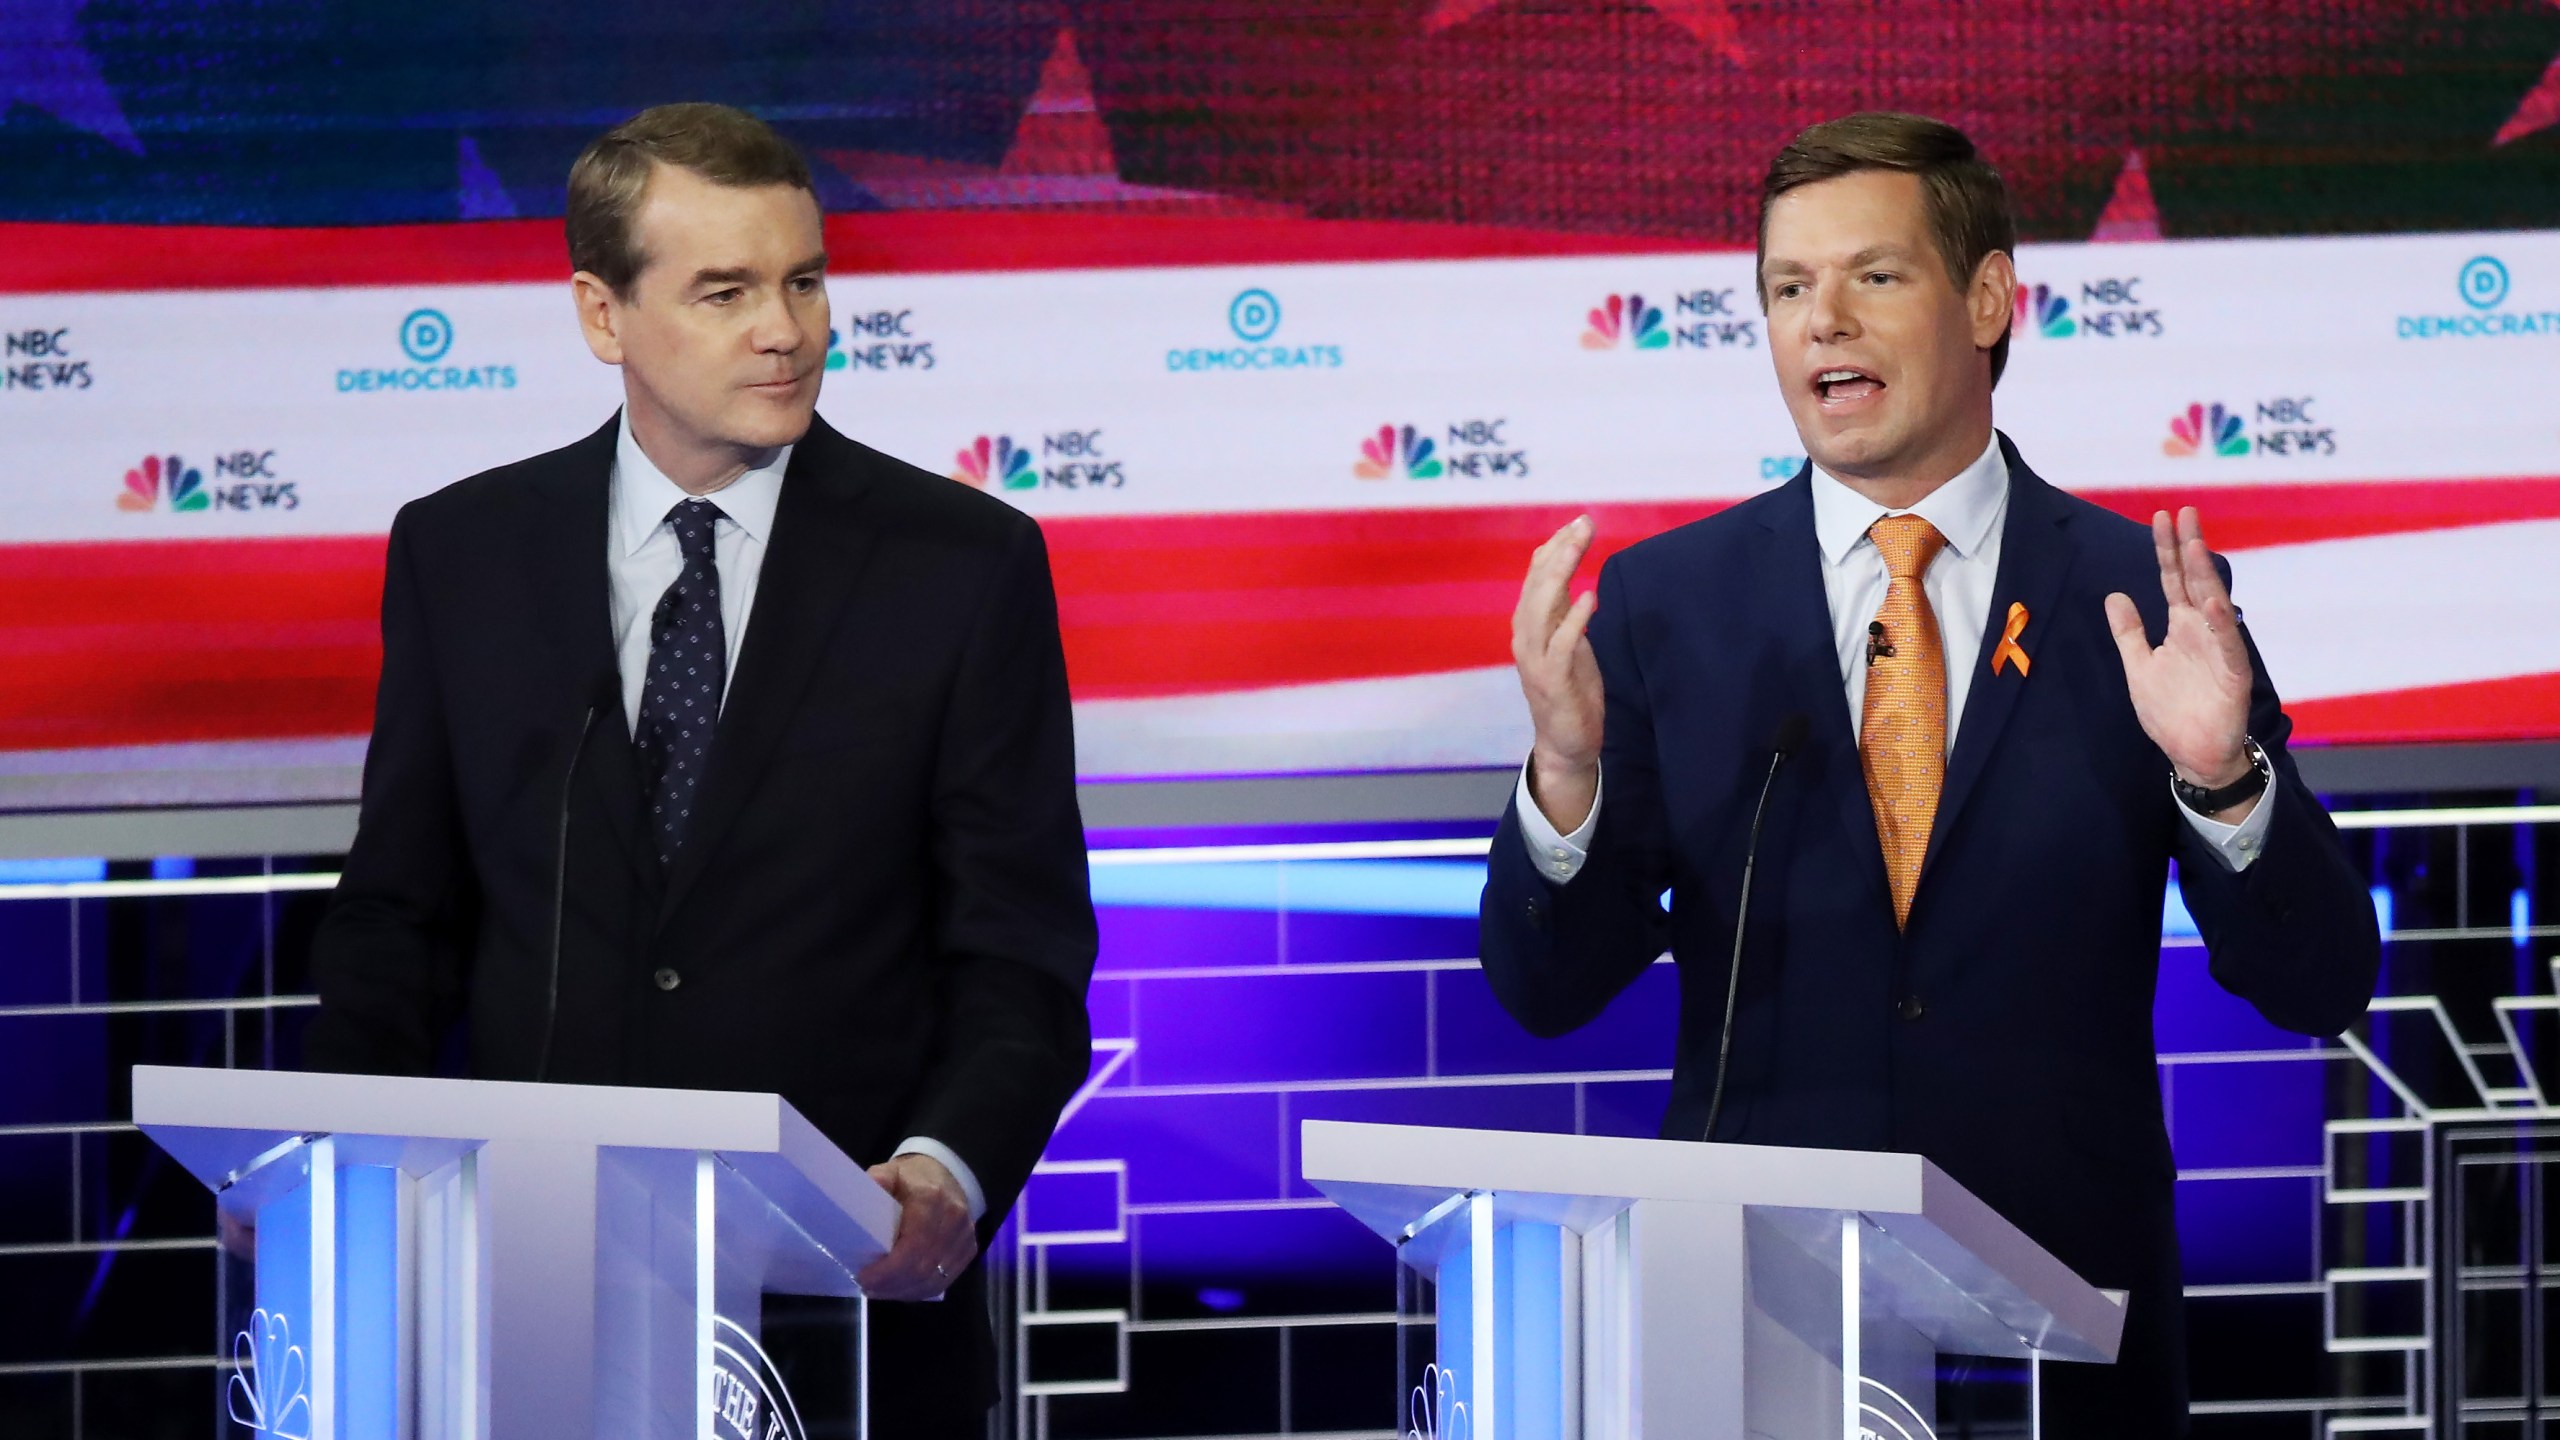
(1787, 740)
(604, 694)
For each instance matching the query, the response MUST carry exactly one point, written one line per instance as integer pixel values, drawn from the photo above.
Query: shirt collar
(1963, 510)
(642, 494)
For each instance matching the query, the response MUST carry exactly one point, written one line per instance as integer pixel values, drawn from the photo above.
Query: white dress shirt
(643, 558)
(1970, 511)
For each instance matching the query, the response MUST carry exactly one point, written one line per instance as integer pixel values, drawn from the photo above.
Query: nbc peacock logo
(1395, 449)
(146, 484)
(2203, 429)
(269, 1392)
(2045, 313)
(1625, 318)
(996, 464)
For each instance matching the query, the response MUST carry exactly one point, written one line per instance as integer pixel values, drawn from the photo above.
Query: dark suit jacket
(2006, 1034)
(881, 911)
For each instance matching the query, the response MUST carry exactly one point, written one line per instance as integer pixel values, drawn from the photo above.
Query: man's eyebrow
(1868, 256)
(1874, 253)
(741, 274)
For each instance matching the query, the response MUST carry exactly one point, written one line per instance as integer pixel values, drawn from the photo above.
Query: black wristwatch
(2209, 803)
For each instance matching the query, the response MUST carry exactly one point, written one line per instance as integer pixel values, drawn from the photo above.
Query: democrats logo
(880, 341)
(1705, 319)
(426, 341)
(243, 480)
(1476, 449)
(40, 358)
(2484, 282)
(1254, 315)
(1253, 343)
(1066, 460)
(426, 335)
(2284, 425)
(2110, 307)
(2482, 287)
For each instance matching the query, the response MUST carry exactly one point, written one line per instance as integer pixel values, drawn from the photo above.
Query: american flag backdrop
(221, 222)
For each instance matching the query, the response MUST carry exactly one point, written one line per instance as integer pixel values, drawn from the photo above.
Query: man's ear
(1992, 299)
(599, 315)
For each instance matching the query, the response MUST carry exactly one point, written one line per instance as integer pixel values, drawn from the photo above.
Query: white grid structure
(246, 1022)
(2500, 1072)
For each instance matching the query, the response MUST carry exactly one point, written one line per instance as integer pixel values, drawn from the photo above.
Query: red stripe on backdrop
(154, 642)
(136, 643)
(2518, 707)
(2250, 517)
(1187, 604)
(41, 258)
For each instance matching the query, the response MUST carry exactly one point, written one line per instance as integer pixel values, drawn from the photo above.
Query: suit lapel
(2035, 554)
(811, 561)
(1789, 566)
(576, 620)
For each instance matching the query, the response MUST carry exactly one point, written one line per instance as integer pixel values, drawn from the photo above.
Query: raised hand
(1560, 677)
(2192, 692)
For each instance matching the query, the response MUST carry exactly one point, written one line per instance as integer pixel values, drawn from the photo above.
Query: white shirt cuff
(959, 1168)
(2234, 845)
(1558, 857)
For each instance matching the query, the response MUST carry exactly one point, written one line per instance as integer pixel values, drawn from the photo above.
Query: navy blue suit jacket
(2006, 1033)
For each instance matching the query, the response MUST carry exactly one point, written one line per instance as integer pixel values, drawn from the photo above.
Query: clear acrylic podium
(478, 1260)
(1587, 1286)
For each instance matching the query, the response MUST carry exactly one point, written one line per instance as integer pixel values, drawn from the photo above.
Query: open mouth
(1844, 384)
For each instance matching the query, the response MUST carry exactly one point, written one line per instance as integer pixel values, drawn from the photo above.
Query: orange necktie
(1902, 728)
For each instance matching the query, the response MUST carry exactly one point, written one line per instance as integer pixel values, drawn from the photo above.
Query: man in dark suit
(810, 711)
(2018, 708)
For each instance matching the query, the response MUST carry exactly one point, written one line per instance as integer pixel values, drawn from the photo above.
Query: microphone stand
(1791, 733)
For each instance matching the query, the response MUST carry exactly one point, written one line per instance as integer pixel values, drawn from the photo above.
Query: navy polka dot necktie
(688, 663)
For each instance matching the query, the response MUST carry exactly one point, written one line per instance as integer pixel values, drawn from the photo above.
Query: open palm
(2191, 692)
(1560, 677)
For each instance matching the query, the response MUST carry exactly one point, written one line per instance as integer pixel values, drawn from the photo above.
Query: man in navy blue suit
(2014, 710)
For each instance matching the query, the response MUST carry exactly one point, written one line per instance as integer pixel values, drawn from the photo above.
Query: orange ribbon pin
(2008, 650)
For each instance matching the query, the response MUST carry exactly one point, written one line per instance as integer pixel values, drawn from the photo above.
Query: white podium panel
(479, 1260)
(1586, 1286)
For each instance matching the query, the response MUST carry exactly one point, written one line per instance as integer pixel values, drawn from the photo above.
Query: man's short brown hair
(720, 143)
(1968, 205)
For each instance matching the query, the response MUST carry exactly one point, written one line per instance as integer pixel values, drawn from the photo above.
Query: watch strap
(2247, 787)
